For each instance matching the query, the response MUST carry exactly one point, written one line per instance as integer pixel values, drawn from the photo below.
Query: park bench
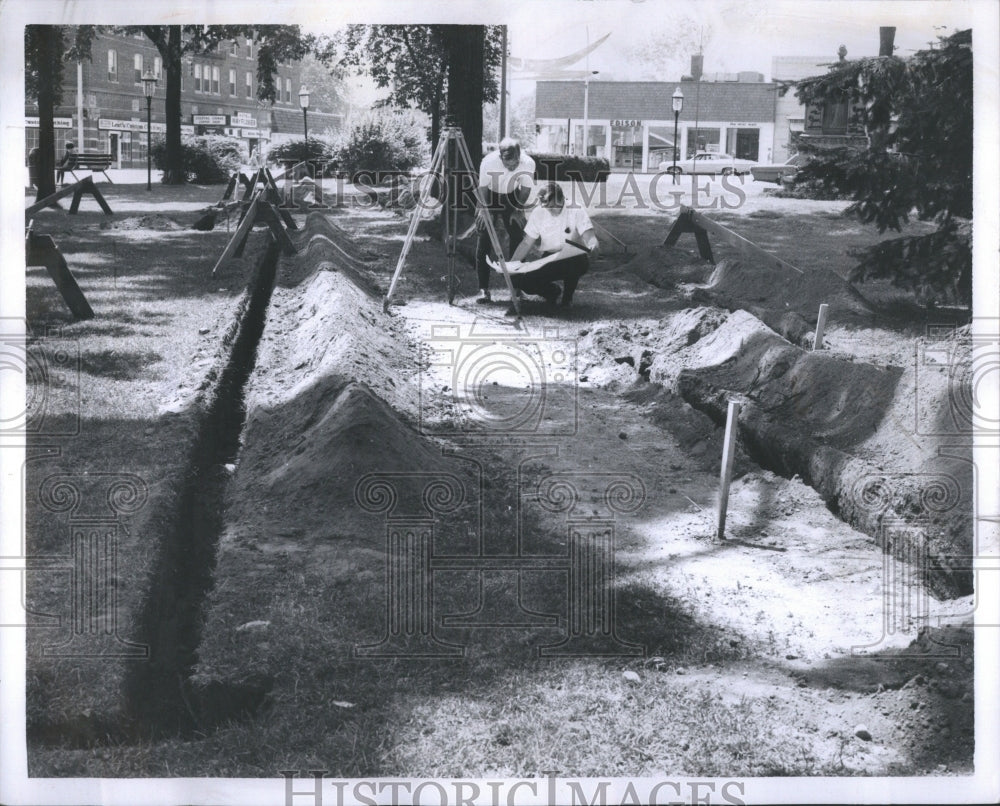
(92, 163)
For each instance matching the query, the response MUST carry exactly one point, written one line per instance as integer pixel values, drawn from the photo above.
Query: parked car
(776, 173)
(706, 162)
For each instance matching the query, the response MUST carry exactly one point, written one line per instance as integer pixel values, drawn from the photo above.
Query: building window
(215, 80)
(249, 89)
(249, 48)
(197, 78)
(234, 48)
(699, 140)
(157, 67)
(288, 90)
(112, 65)
(232, 80)
(135, 104)
(137, 68)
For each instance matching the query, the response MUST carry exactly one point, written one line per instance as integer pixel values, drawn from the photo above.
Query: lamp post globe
(148, 88)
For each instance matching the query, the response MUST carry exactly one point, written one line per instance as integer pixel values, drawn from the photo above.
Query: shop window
(699, 140)
(595, 143)
(626, 147)
(137, 68)
(661, 147)
(112, 65)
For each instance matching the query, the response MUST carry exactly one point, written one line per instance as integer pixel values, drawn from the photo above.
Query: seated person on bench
(67, 163)
(554, 227)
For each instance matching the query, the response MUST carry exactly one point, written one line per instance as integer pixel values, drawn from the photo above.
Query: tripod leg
(436, 164)
(494, 239)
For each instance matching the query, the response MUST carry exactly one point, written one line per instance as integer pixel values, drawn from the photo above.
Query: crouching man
(553, 227)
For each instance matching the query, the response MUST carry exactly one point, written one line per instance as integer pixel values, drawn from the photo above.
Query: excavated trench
(158, 695)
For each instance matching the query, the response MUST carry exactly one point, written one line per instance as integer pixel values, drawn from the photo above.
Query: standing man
(506, 177)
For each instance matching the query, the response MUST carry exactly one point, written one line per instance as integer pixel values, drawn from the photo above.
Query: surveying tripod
(443, 166)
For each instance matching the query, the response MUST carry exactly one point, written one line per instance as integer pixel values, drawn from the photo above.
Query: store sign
(185, 129)
(241, 119)
(627, 123)
(209, 120)
(130, 126)
(744, 125)
(231, 132)
(59, 123)
(121, 125)
(258, 134)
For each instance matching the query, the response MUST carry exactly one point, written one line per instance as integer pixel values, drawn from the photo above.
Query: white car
(707, 162)
(778, 172)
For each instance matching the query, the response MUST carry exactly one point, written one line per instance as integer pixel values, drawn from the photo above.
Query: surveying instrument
(451, 156)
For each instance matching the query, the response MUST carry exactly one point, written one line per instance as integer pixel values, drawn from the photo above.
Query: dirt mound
(837, 424)
(157, 222)
(331, 369)
(788, 302)
(846, 427)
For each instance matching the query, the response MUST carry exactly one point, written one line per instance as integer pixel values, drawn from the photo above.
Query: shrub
(297, 151)
(206, 160)
(563, 167)
(382, 141)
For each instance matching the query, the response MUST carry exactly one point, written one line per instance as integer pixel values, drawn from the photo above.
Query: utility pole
(503, 83)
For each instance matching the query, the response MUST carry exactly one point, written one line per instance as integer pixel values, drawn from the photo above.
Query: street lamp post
(678, 104)
(586, 112)
(148, 88)
(304, 103)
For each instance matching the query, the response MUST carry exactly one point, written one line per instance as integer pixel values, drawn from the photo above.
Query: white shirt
(555, 230)
(495, 176)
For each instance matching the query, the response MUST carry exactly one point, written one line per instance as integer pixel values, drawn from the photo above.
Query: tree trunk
(174, 173)
(465, 83)
(50, 46)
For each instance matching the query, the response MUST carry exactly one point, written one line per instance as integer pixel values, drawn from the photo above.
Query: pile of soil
(154, 221)
(787, 301)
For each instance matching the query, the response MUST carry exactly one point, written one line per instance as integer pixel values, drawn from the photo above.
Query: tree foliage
(273, 44)
(917, 159)
(412, 62)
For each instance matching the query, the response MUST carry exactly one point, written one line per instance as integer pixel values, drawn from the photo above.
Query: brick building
(103, 108)
(632, 123)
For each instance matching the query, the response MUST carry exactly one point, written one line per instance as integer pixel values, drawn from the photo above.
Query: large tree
(273, 43)
(419, 64)
(47, 48)
(917, 159)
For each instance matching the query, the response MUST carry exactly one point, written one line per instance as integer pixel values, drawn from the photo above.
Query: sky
(735, 35)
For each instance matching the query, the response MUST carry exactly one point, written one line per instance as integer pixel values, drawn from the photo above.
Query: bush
(206, 160)
(382, 141)
(297, 151)
(562, 168)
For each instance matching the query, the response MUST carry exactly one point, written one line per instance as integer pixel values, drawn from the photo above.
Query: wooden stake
(820, 327)
(728, 453)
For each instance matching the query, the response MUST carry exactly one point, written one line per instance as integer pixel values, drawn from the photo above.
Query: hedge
(562, 168)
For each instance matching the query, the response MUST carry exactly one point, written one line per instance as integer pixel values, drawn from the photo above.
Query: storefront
(646, 143)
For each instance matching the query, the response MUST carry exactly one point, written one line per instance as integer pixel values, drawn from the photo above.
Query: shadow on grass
(119, 365)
